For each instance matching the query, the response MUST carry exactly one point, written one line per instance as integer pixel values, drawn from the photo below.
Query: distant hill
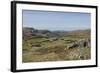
(29, 32)
(83, 33)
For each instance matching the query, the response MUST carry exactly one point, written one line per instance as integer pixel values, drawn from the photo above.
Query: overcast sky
(50, 20)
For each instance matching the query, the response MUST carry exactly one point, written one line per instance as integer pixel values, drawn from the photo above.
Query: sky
(53, 21)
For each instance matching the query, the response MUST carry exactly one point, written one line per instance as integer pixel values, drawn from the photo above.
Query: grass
(56, 55)
(53, 50)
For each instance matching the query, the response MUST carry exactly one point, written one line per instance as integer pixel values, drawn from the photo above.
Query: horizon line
(57, 30)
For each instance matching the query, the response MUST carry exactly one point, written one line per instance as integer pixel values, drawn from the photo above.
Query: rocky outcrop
(80, 44)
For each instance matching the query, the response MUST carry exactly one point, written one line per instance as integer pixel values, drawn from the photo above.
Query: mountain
(80, 33)
(29, 32)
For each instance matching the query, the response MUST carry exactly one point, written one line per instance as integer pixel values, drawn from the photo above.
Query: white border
(36, 65)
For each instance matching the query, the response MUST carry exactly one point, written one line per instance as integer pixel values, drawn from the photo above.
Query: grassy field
(40, 49)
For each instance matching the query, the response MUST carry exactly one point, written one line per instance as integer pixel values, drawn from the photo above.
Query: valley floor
(53, 49)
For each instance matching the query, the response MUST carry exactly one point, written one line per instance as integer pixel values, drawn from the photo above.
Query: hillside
(29, 32)
(45, 45)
